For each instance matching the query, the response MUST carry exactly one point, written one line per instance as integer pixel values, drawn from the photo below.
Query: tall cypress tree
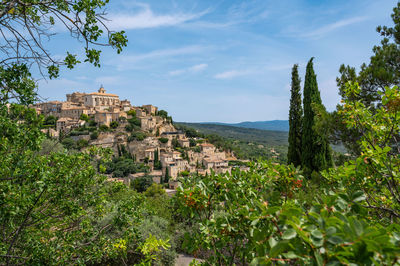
(295, 120)
(316, 154)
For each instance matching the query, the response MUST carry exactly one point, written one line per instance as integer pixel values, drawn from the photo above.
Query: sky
(224, 60)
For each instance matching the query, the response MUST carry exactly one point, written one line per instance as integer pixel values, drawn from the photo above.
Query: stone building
(66, 124)
(101, 100)
(106, 117)
(76, 97)
(150, 109)
(74, 112)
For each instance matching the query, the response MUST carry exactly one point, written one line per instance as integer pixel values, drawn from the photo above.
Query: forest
(58, 208)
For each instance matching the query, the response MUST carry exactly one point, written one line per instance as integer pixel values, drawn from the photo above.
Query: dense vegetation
(272, 214)
(56, 206)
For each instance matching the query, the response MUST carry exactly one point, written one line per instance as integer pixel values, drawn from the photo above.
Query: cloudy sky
(224, 60)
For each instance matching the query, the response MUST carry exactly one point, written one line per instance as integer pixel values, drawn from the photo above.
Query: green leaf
(289, 234)
(335, 240)
(359, 196)
(318, 258)
(278, 248)
(317, 234)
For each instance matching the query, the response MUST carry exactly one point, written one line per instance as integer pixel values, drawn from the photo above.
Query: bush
(114, 124)
(184, 173)
(84, 117)
(196, 149)
(139, 136)
(49, 146)
(158, 227)
(50, 121)
(163, 140)
(92, 123)
(94, 135)
(192, 142)
(155, 190)
(69, 143)
(142, 183)
(163, 114)
(134, 121)
(123, 166)
(103, 128)
(82, 143)
(132, 112)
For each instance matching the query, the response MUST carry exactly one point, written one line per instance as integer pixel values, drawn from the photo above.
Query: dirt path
(184, 260)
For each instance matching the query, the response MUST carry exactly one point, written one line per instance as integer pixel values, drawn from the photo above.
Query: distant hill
(275, 125)
(266, 137)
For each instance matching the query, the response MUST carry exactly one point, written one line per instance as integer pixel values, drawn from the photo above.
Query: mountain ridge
(273, 125)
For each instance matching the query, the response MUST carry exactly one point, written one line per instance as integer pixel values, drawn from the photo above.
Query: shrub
(142, 183)
(94, 135)
(84, 117)
(69, 143)
(132, 112)
(103, 128)
(154, 190)
(134, 121)
(50, 121)
(139, 136)
(82, 143)
(184, 173)
(163, 140)
(114, 124)
(92, 123)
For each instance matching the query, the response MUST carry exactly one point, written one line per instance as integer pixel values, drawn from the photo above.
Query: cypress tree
(316, 154)
(295, 120)
(166, 179)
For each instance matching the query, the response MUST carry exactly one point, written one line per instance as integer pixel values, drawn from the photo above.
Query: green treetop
(295, 120)
(316, 154)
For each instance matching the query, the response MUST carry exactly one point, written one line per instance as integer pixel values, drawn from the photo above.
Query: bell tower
(102, 90)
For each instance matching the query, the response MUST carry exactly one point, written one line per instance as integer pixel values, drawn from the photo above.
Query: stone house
(207, 148)
(106, 117)
(74, 112)
(150, 109)
(184, 143)
(66, 124)
(101, 99)
(76, 97)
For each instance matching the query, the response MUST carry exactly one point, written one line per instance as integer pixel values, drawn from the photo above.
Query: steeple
(102, 90)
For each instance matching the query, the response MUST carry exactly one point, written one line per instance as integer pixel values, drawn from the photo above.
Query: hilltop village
(144, 132)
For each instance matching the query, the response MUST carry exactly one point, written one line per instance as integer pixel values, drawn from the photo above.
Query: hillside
(265, 137)
(275, 125)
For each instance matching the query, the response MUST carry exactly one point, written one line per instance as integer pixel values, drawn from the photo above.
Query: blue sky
(224, 60)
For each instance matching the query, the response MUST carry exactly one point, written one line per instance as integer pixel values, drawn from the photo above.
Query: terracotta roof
(64, 119)
(206, 145)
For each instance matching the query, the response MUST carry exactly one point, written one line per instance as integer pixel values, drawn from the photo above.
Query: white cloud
(164, 53)
(192, 69)
(333, 26)
(177, 72)
(231, 74)
(146, 18)
(198, 68)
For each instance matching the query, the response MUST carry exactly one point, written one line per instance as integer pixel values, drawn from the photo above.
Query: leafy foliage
(258, 217)
(84, 19)
(383, 70)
